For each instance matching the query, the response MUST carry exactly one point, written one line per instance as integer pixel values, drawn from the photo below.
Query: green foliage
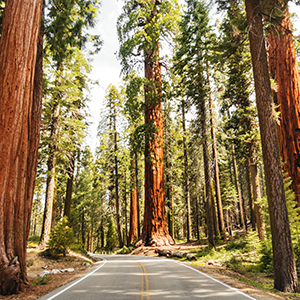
(141, 26)
(266, 259)
(61, 237)
(236, 245)
(111, 237)
(79, 248)
(124, 250)
(41, 280)
(252, 242)
(29, 262)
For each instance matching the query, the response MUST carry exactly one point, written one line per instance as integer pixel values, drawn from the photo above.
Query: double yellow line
(144, 274)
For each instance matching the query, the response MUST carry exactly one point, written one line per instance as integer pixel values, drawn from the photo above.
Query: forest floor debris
(37, 264)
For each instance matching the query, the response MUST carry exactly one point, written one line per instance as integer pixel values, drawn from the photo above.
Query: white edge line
(87, 275)
(218, 281)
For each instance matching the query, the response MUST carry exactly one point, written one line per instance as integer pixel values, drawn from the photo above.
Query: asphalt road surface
(125, 277)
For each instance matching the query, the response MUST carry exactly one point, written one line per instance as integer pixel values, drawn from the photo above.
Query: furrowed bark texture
(285, 275)
(19, 136)
(155, 229)
(133, 225)
(284, 70)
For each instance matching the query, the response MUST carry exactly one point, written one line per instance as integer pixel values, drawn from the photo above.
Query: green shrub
(79, 248)
(124, 250)
(41, 280)
(236, 245)
(266, 260)
(61, 237)
(235, 264)
(252, 242)
(111, 237)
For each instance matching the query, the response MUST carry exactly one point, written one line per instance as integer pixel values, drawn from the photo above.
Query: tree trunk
(186, 177)
(155, 229)
(209, 206)
(125, 210)
(136, 164)
(284, 70)
(256, 192)
(51, 178)
(83, 228)
(20, 112)
(121, 244)
(133, 226)
(249, 186)
(216, 174)
(285, 274)
(69, 191)
(237, 186)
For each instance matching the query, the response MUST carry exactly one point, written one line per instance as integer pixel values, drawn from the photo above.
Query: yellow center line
(144, 272)
(142, 284)
(147, 284)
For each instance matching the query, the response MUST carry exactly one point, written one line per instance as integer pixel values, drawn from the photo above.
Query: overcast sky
(106, 68)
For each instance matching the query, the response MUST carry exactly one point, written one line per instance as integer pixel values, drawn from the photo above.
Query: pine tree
(191, 61)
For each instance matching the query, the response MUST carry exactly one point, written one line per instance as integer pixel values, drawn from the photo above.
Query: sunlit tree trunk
(216, 174)
(155, 228)
(208, 198)
(256, 192)
(51, 178)
(284, 70)
(186, 177)
(133, 225)
(20, 113)
(285, 273)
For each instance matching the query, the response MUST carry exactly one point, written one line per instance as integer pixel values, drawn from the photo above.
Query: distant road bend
(129, 277)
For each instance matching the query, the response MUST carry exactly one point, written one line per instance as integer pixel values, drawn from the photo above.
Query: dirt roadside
(37, 264)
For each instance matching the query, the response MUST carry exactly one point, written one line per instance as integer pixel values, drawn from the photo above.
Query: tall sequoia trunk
(155, 228)
(133, 225)
(136, 165)
(20, 112)
(285, 273)
(284, 70)
(216, 174)
(186, 177)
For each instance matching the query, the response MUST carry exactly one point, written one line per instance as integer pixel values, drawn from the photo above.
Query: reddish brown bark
(285, 273)
(19, 136)
(133, 226)
(155, 229)
(284, 70)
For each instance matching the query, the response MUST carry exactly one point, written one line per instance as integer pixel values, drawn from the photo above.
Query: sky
(106, 68)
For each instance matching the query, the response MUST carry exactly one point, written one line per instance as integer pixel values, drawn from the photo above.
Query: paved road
(136, 277)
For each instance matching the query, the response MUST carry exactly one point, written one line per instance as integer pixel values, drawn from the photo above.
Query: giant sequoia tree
(19, 124)
(141, 27)
(284, 70)
(285, 274)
